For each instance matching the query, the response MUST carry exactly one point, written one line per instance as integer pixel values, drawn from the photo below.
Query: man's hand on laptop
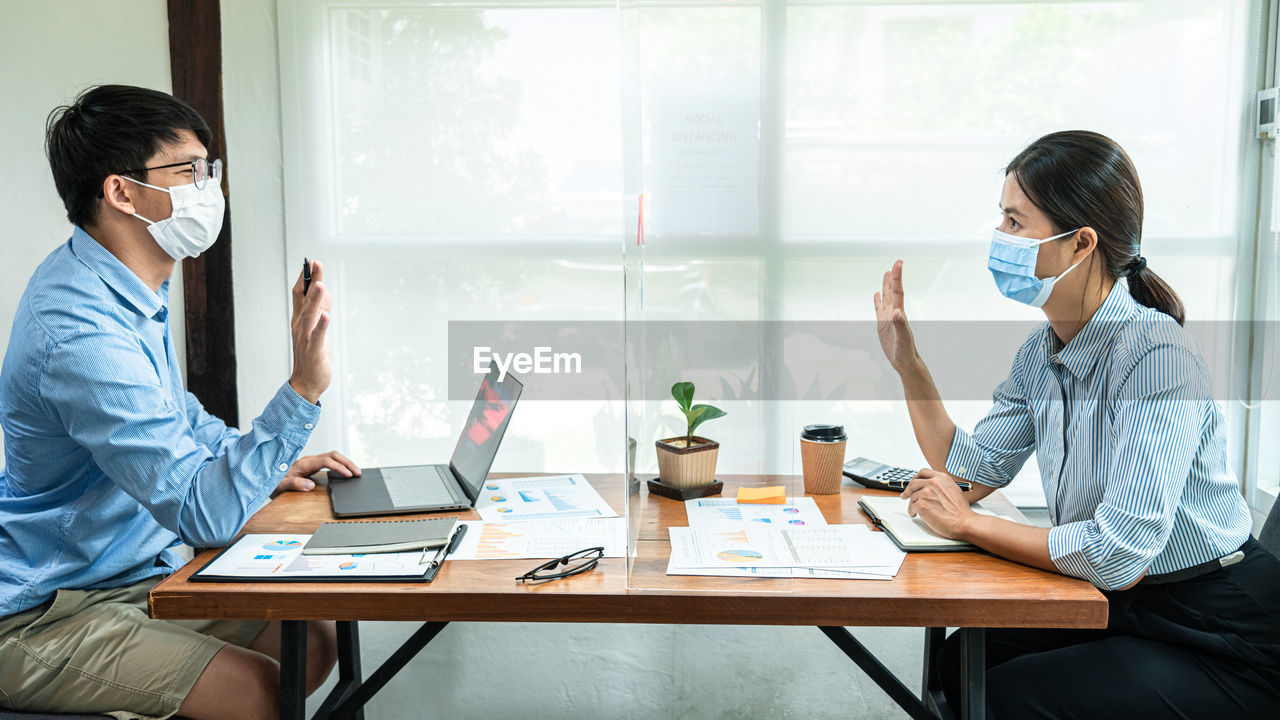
(299, 475)
(309, 326)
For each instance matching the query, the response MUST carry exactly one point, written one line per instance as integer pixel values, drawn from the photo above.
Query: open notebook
(889, 512)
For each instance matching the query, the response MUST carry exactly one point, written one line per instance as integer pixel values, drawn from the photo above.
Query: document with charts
(548, 539)
(813, 573)
(555, 497)
(821, 547)
(797, 512)
(278, 556)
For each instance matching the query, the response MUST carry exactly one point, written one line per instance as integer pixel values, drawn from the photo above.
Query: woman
(1114, 399)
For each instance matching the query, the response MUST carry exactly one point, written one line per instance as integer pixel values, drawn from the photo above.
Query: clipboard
(261, 557)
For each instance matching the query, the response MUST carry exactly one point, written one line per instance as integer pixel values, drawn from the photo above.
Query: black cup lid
(824, 433)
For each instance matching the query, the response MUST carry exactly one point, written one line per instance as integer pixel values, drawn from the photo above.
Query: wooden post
(195, 60)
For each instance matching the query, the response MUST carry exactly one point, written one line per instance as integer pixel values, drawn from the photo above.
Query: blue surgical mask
(1012, 261)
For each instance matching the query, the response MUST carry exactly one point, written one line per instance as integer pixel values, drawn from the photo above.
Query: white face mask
(195, 222)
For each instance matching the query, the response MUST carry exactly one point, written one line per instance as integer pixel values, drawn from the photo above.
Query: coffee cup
(822, 456)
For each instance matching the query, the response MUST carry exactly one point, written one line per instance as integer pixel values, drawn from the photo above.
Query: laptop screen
(478, 443)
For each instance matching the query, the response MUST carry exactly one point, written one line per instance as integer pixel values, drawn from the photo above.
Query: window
(456, 161)
(453, 162)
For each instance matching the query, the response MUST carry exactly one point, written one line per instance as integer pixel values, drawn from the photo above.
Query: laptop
(435, 488)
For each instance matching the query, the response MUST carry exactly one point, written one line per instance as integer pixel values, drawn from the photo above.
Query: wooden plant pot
(685, 467)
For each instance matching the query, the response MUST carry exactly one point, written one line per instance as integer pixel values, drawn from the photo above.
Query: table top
(953, 589)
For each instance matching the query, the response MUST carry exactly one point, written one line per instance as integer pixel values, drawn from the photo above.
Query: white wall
(50, 52)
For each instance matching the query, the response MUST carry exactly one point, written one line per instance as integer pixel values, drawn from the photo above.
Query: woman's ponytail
(1149, 289)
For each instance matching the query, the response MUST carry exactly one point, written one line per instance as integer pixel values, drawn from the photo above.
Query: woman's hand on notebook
(934, 497)
(299, 474)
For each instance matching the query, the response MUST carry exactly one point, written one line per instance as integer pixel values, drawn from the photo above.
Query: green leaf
(683, 393)
(691, 415)
(701, 413)
(709, 412)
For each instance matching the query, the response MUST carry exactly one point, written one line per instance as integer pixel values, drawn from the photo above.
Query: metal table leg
(878, 673)
(973, 674)
(355, 700)
(933, 639)
(349, 676)
(930, 690)
(293, 669)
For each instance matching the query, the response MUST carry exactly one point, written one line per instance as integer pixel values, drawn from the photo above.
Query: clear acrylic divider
(695, 168)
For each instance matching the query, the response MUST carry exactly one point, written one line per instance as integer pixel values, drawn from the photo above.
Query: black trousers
(1208, 647)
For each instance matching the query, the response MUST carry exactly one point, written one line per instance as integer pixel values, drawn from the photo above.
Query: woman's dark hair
(1083, 179)
(111, 129)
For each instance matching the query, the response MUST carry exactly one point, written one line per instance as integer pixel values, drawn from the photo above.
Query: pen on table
(306, 275)
(445, 550)
(902, 485)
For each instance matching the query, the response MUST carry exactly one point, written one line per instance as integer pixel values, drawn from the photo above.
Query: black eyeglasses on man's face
(201, 170)
(578, 562)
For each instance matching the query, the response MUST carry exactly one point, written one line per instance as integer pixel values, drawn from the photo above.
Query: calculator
(875, 474)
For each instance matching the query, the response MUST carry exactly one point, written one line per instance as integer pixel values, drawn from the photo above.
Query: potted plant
(688, 460)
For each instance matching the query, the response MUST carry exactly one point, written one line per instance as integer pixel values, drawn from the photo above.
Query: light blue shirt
(1130, 443)
(109, 462)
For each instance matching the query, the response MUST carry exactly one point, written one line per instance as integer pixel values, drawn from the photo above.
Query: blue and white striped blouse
(1131, 446)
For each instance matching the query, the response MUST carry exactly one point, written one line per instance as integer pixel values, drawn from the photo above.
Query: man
(110, 463)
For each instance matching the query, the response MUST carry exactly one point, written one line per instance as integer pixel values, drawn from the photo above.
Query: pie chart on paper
(740, 557)
(278, 545)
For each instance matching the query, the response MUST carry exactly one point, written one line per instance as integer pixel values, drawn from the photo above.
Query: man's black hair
(111, 130)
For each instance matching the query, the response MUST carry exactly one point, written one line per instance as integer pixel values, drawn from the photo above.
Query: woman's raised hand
(891, 321)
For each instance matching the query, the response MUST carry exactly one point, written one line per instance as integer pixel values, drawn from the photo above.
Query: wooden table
(932, 590)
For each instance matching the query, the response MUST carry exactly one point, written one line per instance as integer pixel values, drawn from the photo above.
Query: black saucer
(657, 487)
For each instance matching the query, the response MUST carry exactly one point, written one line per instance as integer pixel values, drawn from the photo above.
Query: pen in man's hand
(902, 485)
(306, 275)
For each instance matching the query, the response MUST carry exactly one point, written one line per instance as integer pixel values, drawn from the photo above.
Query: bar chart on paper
(511, 541)
(498, 541)
(557, 497)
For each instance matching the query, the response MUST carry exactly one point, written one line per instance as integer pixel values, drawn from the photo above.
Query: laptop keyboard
(416, 487)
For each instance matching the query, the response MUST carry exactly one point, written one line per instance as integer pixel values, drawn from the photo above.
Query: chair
(1269, 538)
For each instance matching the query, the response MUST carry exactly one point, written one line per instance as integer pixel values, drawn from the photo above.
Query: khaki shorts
(97, 651)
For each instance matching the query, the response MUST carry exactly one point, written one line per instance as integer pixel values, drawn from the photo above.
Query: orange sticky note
(772, 495)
